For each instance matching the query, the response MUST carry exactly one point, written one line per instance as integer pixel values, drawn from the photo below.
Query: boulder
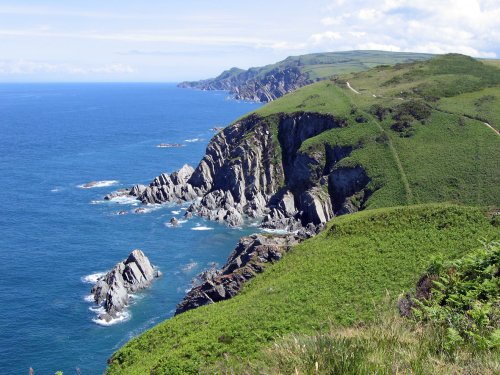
(113, 289)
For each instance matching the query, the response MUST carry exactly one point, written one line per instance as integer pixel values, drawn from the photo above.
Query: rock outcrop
(248, 259)
(256, 168)
(112, 290)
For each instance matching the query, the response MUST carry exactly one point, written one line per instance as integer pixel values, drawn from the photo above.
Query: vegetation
(333, 281)
(465, 298)
(389, 345)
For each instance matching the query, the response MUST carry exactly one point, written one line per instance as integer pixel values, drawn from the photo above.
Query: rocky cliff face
(250, 85)
(112, 290)
(256, 168)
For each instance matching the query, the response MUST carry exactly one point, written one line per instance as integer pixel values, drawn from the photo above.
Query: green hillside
(419, 136)
(338, 278)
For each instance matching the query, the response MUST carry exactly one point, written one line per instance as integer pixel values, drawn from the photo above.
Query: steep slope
(336, 279)
(265, 84)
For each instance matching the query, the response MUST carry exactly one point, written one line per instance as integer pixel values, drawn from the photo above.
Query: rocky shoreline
(249, 172)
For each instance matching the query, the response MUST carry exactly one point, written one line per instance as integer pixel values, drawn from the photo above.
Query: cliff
(255, 169)
(267, 83)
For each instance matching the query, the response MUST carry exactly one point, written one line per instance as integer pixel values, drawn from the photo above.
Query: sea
(57, 236)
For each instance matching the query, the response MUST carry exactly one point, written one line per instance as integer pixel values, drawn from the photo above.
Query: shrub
(465, 298)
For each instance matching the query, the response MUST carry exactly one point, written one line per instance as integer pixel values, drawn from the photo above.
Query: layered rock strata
(248, 259)
(256, 168)
(112, 290)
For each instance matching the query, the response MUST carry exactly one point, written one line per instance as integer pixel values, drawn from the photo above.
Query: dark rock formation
(248, 259)
(256, 168)
(250, 85)
(112, 290)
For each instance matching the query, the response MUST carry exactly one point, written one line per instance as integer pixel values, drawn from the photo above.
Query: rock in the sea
(112, 290)
(118, 193)
(174, 221)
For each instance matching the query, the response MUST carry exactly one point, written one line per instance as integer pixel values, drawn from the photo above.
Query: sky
(171, 41)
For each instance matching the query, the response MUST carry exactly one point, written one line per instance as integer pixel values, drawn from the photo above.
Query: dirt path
(350, 87)
(492, 128)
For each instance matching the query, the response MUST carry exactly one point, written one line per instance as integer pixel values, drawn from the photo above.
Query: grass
(333, 280)
(389, 345)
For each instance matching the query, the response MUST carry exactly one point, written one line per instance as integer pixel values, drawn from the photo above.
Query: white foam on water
(121, 317)
(192, 140)
(175, 212)
(202, 228)
(179, 222)
(145, 209)
(55, 190)
(98, 184)
(190, 266)
(89, 298)
(276, 231)
(125, 199)
(92, 278)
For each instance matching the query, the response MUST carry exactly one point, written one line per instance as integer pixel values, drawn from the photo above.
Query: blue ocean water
(53, 234)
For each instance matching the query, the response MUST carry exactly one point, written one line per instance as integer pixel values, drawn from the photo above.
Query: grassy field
(337, 279)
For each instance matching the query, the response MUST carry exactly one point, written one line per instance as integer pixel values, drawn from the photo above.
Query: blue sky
(147, 40)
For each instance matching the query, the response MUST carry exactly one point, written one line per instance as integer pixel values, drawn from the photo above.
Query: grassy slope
(449, 158)
(336, 278)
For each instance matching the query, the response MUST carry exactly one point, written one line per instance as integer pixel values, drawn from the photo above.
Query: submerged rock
(112, 290)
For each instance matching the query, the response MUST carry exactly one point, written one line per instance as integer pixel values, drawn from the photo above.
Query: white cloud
(464, 26)
(327, 36)
(30, 67)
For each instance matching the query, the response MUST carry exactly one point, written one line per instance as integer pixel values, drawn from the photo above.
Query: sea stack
(112, 290)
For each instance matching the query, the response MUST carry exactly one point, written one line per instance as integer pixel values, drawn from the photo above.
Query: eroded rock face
(112, 290)
(247, 171)
(248, 259)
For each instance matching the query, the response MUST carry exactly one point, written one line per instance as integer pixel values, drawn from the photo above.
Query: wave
(125, 199)
(98, 184)
(89, 298)
(92, 278)
(202, 228)
(55, 190)
(192, 140)
(121, 317)
(179, 222)
(189, 267)
(148, 208)
(175, 212)
(277, 231)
